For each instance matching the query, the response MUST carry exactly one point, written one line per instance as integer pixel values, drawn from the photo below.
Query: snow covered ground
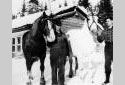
(19, 75)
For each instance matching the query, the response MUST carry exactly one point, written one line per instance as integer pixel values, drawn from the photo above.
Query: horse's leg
(42, 59)
(70, 70)
(29, 63)
(61, 72)
(80, 70)
(91, 74)
(54, 66)
(76, 62)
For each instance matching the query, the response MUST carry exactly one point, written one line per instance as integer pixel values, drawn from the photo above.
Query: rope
(98, 27)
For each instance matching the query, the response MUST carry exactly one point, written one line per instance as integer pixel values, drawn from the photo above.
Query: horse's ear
(44, 15)
(44, 12)
(51, 15)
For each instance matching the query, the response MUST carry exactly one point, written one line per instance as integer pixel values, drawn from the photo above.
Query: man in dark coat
(59, 50)
(107, 35)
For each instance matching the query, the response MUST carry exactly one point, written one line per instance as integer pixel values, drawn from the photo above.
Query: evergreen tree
(105, 10)
(108, 6)
(45, 8)
(23, 9)
(34, 1)
(84, 3)
(65, 4)
(33, 6)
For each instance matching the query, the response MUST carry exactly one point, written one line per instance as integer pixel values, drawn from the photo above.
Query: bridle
(51, 36)
(93, 20)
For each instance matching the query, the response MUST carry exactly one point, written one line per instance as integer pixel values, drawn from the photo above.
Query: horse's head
(50, 34)
(51, 26)
(48, 25)
(93, 24)
(43, 26)
(49, 29)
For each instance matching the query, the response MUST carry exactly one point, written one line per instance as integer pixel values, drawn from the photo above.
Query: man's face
(109, 22)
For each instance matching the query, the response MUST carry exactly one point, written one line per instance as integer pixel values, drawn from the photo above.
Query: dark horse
(59, 50)
(34, 44)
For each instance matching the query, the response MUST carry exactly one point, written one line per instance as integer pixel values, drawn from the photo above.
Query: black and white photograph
(62, 42)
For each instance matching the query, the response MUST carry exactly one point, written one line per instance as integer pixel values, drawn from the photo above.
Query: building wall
(72, 23)
(67, 24)
(75, 22)
(17, 43)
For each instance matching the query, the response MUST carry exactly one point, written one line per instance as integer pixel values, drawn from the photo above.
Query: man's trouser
(108, 60)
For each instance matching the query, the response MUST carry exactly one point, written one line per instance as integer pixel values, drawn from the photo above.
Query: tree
(23, 8)
(105, 10)
(84, 3)
(34, 1)
(33, 7)
(65, 4)
(45, 8)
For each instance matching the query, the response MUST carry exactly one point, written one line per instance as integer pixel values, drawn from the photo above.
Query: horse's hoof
(54, 84)
(29, 83)
(31, 77)
(61, 84)
(105, 83)
(70, 75)
(92, 81)
(42, 81)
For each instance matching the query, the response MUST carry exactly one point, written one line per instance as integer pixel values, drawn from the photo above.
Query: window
(13, 40)
(18, 39)
(18, 48)
(13, 48)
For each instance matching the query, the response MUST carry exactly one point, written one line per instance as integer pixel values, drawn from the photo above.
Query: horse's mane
(38, 23)
(35, 24)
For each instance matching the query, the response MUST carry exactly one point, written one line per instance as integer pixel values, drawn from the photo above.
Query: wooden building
(19, 27)
(23, 24)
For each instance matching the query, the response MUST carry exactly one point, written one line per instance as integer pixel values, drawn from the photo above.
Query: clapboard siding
(22, 28)
(72, 23)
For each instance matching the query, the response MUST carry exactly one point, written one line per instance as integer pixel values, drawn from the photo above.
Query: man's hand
(99, 32)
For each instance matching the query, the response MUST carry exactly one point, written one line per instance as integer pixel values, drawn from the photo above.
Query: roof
(29, 19)
(22, 28)
(72, 17)
(71, 11)
(74, 22)
(69, 7)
